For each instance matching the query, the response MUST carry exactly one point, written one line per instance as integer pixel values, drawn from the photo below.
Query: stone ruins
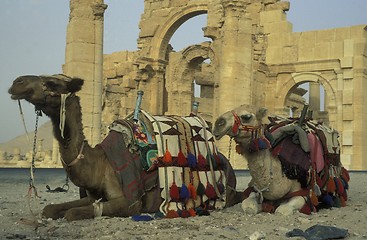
(253, 57)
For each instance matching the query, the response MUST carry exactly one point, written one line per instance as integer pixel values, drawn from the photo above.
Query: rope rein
(32, 186)
(23, 121)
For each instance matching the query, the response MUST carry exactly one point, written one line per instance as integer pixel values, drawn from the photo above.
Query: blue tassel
(327, 199)
(184, 192)
(262, 144)
(191, 160)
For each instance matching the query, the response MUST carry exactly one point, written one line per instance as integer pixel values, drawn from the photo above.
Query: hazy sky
(33, 34)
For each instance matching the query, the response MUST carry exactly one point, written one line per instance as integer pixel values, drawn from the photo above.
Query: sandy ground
(17, 221)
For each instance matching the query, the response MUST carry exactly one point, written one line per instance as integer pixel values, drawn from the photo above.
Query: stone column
(314, 100)
(84, 59)
(157, 92)
(55, 151)
(235, 58)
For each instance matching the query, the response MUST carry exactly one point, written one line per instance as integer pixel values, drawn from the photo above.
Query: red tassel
(172, 214)
(167, 157)
(342, 201)
(201, 159)
(173, 190)
(209, 190)
(345, 174)
(181, 159)
(192, 212)
(305, 209)
(185, 214)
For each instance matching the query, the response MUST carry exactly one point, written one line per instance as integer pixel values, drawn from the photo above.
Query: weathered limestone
(253, 58)
(84, 59)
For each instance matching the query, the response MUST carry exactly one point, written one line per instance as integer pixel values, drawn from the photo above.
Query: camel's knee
(250, 205)
(291, 206)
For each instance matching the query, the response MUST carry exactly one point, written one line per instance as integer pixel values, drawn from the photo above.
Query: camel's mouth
(19, 96)
(219, 134)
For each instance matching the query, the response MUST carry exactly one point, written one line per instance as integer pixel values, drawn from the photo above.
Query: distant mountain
(44, 132)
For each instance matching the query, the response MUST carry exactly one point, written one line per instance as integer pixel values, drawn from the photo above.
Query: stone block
(358, 32)
(348, 47)
(148, 28)
(346, 160)
(348, 96)
(306, 53)
(336, 50)
(290, 54)
(346, 62)
(342, 33)
(322, 50)
(274, 55)
(276, 40)
(325, 35)
(278, 27)
(272, 16)
(348, 113)
(308, 37)
(347, 138)
(348, 74)
(80, 30)
(80, 51)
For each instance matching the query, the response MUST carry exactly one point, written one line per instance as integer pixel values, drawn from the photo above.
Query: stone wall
(252, 57)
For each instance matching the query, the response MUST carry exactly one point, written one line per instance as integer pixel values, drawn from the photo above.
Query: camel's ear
(75, 85)
(261, 114)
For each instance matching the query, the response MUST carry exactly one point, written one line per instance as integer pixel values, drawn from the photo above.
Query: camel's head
(238, 123)
(44, 90)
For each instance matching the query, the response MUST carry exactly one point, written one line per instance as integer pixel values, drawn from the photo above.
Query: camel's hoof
(250, 208)
(50, 211)
(285, 210)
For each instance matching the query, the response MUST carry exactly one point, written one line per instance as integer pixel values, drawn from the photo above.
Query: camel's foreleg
(118, 207)
(292, 205)
(56, 211)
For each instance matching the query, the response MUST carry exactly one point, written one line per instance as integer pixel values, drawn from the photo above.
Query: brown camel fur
(93, 171)
(268, 177)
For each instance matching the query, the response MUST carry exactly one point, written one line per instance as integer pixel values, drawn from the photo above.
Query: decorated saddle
(310, 153)
(178, 153)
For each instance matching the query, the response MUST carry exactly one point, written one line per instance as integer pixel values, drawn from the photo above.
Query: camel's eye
(246, 117)
(19, 81)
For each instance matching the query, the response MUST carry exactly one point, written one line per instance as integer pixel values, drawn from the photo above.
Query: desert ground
(20, 217)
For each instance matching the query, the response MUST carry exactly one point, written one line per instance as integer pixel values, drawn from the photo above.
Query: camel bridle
(238, 125)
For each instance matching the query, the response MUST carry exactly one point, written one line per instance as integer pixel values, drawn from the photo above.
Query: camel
(87, 167)
(286, 191)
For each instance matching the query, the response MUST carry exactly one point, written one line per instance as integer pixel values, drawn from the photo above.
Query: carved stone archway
(184, 67)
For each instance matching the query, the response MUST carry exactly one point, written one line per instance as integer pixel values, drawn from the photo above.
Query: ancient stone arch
(257, 58)
(184, 67)
(316, 77)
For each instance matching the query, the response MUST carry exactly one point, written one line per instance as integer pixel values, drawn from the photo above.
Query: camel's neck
(70, 134)
(261, 165)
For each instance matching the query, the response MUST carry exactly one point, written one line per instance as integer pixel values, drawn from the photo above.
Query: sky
(33, 36)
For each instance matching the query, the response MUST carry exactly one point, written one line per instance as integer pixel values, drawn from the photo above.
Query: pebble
(257, 236)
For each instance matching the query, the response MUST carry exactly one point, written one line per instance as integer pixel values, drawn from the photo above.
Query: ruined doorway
(311, 93)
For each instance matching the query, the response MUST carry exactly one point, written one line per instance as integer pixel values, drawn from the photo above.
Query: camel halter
(237, 125)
